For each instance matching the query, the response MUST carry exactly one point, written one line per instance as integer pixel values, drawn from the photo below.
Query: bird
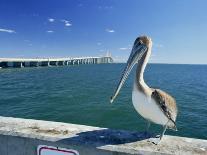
(154, 105)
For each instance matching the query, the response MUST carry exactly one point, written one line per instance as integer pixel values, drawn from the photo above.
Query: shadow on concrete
(106, 137)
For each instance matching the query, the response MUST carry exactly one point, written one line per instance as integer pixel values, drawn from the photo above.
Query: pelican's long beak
(136, 54)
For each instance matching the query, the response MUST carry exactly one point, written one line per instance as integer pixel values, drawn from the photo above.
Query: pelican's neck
(140, 71)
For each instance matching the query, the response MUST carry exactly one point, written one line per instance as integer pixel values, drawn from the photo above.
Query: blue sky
(62, 28)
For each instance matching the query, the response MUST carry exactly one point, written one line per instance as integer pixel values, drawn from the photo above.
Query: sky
(75, 28)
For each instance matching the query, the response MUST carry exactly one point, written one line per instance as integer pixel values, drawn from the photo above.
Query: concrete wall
(22, 136)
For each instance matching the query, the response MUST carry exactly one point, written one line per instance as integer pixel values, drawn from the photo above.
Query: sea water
(81, 95)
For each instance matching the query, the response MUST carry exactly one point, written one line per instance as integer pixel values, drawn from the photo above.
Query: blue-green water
(80, 94)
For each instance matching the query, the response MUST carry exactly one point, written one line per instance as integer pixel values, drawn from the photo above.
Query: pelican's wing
(166, 103)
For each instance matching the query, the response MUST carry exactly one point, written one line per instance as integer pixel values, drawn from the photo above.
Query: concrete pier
(23, 136)
(19, 62)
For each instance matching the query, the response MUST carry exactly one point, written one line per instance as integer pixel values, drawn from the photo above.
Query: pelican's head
(141, 45)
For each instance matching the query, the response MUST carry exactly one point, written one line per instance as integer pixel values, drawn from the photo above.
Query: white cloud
(125, 48)
(99, 43)
(50, 31)
(7, 30)
(66, 22)
(51, 20)
(110, 30)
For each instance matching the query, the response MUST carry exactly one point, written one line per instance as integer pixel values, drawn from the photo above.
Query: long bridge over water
(23, 62)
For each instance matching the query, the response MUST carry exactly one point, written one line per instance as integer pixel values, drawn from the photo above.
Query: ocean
(81, 95)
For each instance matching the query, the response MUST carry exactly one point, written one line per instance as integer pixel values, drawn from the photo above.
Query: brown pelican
(154, 105)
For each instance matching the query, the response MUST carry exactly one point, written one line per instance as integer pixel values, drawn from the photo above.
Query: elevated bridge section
(22, 62)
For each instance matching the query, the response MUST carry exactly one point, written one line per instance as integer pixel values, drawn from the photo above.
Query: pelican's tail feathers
(173, 126)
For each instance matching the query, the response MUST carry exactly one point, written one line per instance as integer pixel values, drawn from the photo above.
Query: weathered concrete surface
(22, 136)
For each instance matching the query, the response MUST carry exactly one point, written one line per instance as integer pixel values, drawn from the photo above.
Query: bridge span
(38, 62)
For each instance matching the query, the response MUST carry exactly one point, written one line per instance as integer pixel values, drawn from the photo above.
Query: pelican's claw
(155, 140)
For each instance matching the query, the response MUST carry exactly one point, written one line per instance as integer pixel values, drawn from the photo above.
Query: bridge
(38, 62)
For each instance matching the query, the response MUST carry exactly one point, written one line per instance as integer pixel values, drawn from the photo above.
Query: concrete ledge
(22, 136)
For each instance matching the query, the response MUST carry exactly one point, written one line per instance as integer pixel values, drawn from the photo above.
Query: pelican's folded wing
(166, 103)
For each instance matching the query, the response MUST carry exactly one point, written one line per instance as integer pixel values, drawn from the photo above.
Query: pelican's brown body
(167, 104)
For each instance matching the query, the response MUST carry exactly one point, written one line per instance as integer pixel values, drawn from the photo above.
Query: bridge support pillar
(53, 63)
(60, 63)
(45, 63)
(15, 64)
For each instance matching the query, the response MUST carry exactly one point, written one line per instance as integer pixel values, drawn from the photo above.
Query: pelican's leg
(163, 132)
(147, 128)
(157, 139)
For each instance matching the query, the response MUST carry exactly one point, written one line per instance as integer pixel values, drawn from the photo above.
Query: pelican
(154, 105)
